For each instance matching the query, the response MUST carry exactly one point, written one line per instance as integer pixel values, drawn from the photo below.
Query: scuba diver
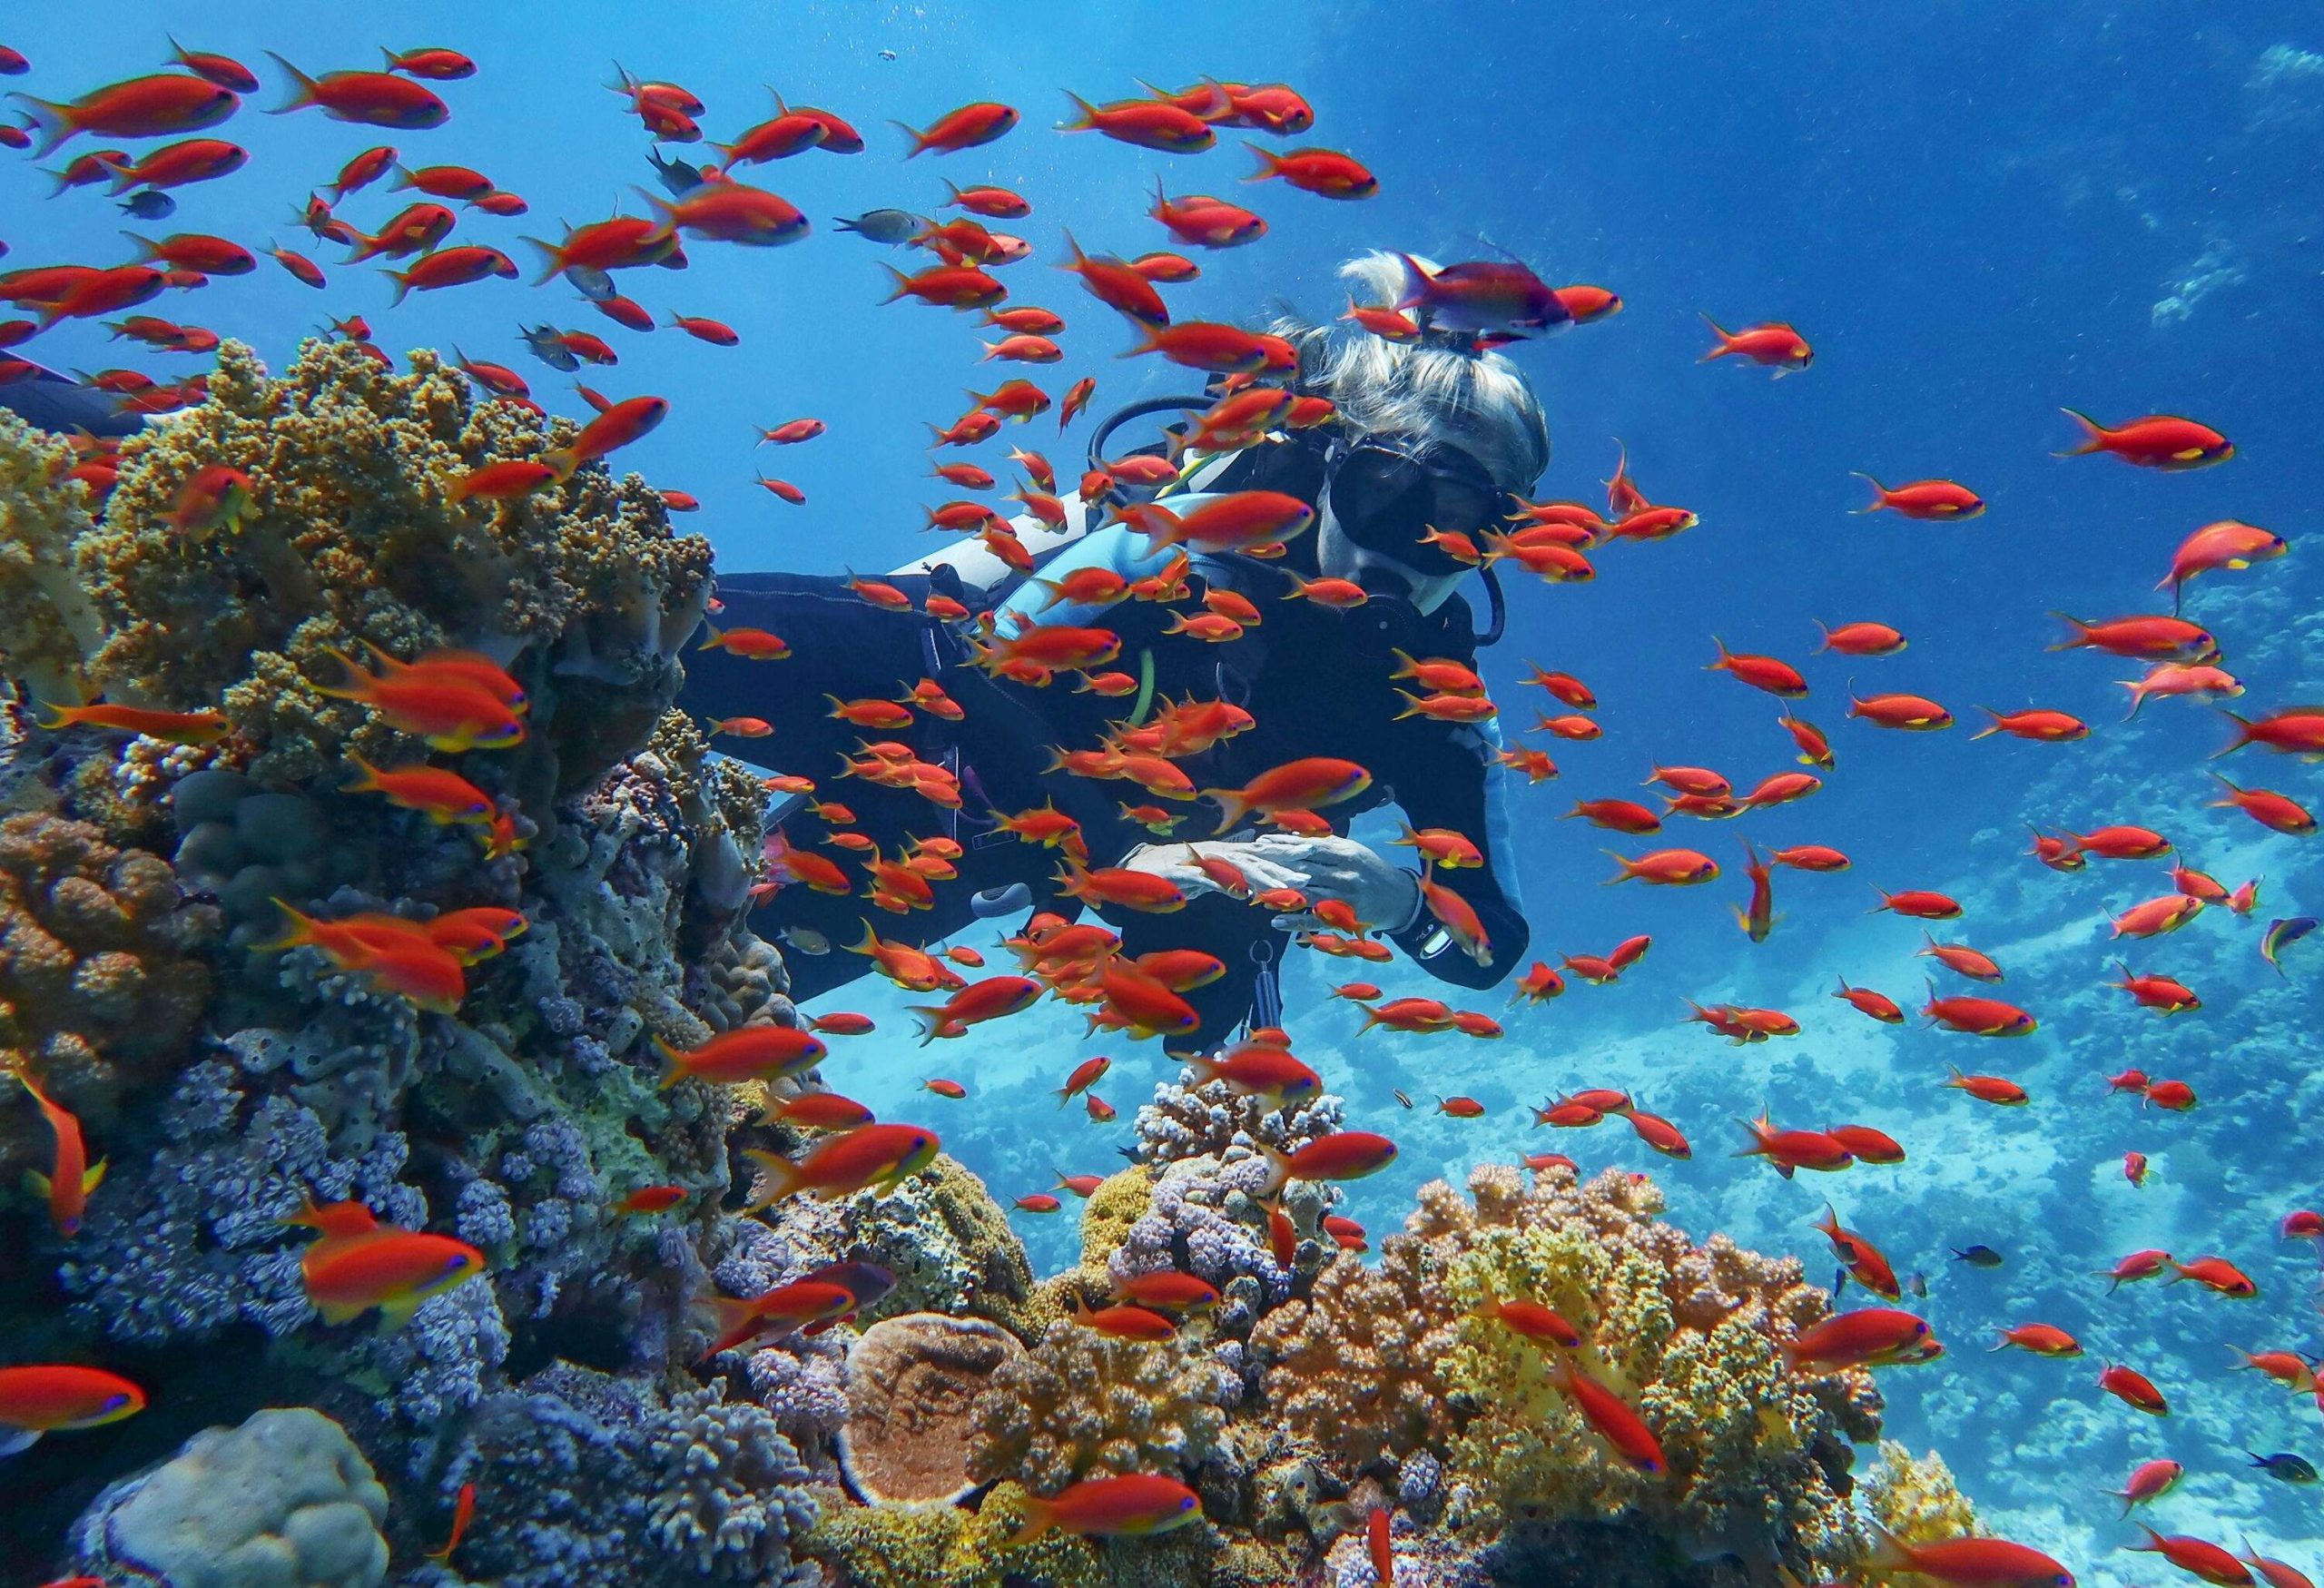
(1428, 435)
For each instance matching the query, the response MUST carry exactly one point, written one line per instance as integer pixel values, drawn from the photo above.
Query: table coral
(581, 590)
(1080, 1404)
(1384, 1362)
(101, 976)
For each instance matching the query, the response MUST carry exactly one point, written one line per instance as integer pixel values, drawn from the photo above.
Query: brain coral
(1385, 1364)
(100, 982)
(581, 590)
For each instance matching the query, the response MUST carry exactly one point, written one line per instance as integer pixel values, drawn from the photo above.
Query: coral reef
(1915, 1497)
(1079, 1404)
(1379, 1364)
(940, 1233)
(911, 1382)
(592, 1478)
(100, 974)
(352, 539)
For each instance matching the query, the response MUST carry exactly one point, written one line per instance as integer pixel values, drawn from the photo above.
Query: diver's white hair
(1434, 390)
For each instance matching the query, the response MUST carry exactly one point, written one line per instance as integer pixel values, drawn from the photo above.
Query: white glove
(1382, 893)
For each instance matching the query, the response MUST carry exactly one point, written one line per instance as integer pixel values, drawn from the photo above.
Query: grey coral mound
(284, 1501)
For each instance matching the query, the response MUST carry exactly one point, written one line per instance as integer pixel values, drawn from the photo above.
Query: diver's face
(1342, 558)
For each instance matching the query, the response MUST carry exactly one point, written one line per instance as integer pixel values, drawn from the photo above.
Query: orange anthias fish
(874, 1155)
(1876, 1336)
(71, 1176)
(1863, 1261)
(1758, 919)
(1135, 1506)
(747, 1053)
(176, 727)
(49, 1398)
(2156, 441)
(1935, 499)
(1968, 1563)
(1775, 346)
(390, 1268)
(1613, 1417)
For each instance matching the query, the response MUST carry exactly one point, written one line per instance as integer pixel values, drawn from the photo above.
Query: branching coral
(581, 589)
(47, 623)
(1205, 1120)
(1384, 1364)
(100, 978)
(1082, 1405)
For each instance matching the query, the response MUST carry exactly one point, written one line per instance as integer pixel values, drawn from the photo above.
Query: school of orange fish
(461, 704)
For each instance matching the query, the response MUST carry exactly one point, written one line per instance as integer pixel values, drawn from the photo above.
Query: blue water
(1976, 212)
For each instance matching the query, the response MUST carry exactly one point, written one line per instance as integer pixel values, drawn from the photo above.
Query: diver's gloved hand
(1382, 893)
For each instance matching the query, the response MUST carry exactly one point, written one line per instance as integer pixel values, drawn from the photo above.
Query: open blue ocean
(1977, 214)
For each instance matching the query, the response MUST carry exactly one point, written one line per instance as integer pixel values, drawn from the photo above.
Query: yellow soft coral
(581, 589)
(1081, 1404)
(47, 626)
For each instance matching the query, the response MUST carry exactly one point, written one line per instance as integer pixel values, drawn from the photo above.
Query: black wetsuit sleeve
(1463, 786)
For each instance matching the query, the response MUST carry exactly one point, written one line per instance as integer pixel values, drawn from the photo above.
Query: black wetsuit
(1317, 681)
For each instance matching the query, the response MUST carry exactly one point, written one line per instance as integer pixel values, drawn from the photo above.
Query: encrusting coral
(911, 1385)
(1384, 1364)
(100, 978)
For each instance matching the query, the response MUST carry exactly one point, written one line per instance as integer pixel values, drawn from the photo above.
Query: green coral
(47, 623)
(353, 538)
(918, 1546)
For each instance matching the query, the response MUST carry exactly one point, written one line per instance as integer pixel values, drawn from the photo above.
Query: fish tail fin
(1890, 1553)
(1879, 493)
(562, 461)
(55, 123)
(1233, 807)
(774, 1178)
(1991, 729)
(902, 288)
(1725, 656)
(1269, 164)
(2137, 686)
(931, 1017)
(672, 1069)
(2093, 434)
(402, 279)
(1278, 1168)
(298, 932)
(302, 88)
(1040, 1517)
(1626, 872)
(1206, 1069)
(367, 778)
(54, 718)
(1726, 342)
(2243, 734)
(1411, 705)
(1150, 341)
(1417, 282)
(552, 259)
(1086, 115)
(919, 142)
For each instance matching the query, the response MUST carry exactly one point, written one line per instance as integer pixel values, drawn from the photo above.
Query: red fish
(2150, 1480)
(2195, 1557)
(1775, 346)
(1911, 712)
(1135, 1506)
(873, 1155)
(1344, 1154)
(141, 107)
(965, 128)
(1969, 1562)
(1325, 173)
(394, 1270)
(2156, 441)
(2269, 809)
(2134, 1389)
(1148, 124)
(373, 99)
(1791, 1150)
(49, 1398)
(1925, 498)
(2167, 639)
(1875, 1336)
(1611, 1416)
(2227, 544)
